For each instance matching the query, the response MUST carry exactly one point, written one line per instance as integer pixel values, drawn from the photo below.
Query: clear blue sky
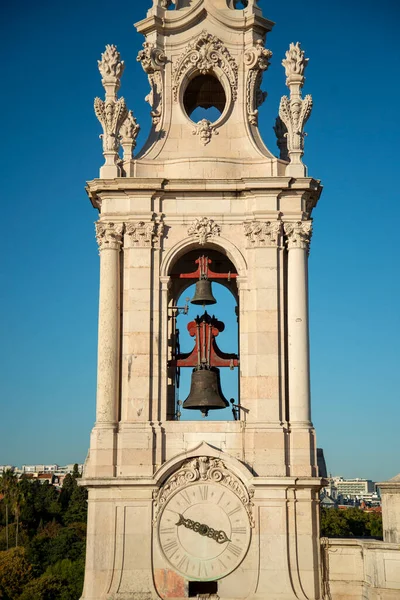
(49, 260)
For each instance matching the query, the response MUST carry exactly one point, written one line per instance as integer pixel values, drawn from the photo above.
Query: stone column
(298, 240)
(390, 493)
(109, 238)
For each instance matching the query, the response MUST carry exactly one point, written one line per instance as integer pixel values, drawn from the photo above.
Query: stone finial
(295, 62)
(111, 68)
(295, 111)
(129, 132)
(113, 115)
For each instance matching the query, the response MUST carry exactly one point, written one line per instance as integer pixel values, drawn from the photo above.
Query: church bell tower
(183, 503)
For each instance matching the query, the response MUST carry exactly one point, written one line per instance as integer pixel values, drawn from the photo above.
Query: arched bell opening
(203, 330)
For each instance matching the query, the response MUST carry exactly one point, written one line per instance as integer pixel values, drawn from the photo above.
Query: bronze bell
(205, 391)
(203, 293)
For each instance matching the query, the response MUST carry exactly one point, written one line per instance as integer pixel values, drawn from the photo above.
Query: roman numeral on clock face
(203, 492)
(236, 550)
(172, 545)
(233, 511)
(239, 530)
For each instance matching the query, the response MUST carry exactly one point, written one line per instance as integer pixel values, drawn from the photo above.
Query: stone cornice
(129, 185)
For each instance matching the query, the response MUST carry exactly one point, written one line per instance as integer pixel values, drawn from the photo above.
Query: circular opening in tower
(204, 98)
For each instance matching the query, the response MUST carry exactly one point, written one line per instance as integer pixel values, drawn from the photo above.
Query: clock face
(204, 531)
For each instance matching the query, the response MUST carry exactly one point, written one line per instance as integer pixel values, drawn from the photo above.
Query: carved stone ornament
(145, 235)
(203, 229)
(153, 60)
(111, 112)
(203, 468)
(263, 234)
(111, 115)
(295, 111)
(128, 134)
(257, 61)
(205, 130)
(109, 235)
(295, 62)
(205, 53)
(111, 67)
(298, 234)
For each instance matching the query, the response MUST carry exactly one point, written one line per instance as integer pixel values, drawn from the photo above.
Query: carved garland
(257, 61)
(205, 53)
(203, 468)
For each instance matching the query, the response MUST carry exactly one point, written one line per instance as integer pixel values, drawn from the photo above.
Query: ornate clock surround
(203, 516)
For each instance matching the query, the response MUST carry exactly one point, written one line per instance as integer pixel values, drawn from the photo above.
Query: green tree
(15, 573)
(45, 587)
(8, 484)
(77, 507)
(351, 522)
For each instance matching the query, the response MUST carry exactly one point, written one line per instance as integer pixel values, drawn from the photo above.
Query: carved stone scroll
(205, 53)
(203, 229)
(263, 233)
(257, 61)
(203, 468)
(153, 61)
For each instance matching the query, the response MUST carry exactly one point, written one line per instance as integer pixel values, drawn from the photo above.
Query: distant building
(353, 488)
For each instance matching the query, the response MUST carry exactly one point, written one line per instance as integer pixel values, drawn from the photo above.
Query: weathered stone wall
(360, 570)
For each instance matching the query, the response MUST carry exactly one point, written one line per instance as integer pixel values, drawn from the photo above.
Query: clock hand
(219, 536)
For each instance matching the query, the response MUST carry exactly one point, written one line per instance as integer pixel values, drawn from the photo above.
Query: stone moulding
(203, 229)
(153, 61)
(256, 59)
(205, 53)
(263, 233)
(203, 468)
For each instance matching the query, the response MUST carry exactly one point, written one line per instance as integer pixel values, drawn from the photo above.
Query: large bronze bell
(203, 293)
(205, 391)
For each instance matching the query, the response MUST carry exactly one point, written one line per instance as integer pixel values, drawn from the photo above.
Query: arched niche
(181, 268)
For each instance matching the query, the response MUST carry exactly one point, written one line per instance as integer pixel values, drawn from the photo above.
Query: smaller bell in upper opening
(203, 293)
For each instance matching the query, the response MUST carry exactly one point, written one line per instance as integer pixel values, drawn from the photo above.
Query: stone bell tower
(203, 508)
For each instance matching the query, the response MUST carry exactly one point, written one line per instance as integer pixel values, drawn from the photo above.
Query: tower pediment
(207, 55)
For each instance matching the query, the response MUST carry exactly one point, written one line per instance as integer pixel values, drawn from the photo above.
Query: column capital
(145, 234)
(298, 234)
(263, 233)
(109, 235)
